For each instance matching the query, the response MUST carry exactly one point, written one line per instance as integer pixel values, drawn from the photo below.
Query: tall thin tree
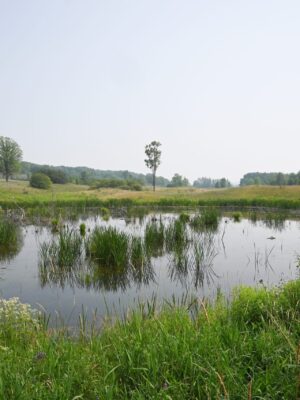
(153, 159)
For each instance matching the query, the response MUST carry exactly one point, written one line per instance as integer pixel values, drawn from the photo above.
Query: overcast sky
(90, 82)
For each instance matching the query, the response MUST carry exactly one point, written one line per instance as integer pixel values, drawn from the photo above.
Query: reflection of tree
(11, 240)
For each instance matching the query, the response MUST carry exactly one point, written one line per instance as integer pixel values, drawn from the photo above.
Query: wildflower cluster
(15, 314)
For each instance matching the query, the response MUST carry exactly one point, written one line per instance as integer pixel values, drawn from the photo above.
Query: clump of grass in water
(176, 235)
(10, 239)
(82, 229)
(236, 216)
(108, 247)
(208, 218)
(184, 218)
(105, 213)
(138, 254)
(63, 251)
(154, 237)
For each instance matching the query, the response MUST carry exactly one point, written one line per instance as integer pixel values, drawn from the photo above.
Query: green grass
(248, 350)
(18, 193)
(109, 247)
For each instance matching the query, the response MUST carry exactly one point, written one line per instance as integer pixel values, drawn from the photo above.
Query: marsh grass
(246, 350)
(236, 216)
(207, 219)
(63, 251)
(109, 247)
(154, 237)
(176, 235)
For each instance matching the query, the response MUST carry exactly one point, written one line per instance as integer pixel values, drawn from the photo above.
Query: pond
(172, 257)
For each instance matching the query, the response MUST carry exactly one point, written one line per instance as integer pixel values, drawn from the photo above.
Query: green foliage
(125, 184)
(211, 183)
(56, 175)
(40, 181)
(10, 157)
(247, 350)
(270, 178)
(179, 181)
(108, 247)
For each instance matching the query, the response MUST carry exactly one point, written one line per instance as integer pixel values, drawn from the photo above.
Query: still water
(249, 253)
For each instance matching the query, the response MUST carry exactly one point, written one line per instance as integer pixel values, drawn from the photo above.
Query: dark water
(234, 254)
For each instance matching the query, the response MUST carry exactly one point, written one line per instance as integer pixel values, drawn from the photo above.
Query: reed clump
(10, 238)
(109, 247)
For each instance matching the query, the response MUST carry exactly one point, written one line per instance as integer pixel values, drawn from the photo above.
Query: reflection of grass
(10, 239)
(246, 350)
(17, 192)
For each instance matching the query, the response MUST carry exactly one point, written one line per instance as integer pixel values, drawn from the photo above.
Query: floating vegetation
(11, 240)
(108, 247)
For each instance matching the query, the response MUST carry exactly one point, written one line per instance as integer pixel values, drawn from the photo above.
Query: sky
(91, 82)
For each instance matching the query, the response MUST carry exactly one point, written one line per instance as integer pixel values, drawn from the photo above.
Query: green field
(248, 350)
(19, 193)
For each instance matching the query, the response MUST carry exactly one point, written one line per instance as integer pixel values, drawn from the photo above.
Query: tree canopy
(10, 157)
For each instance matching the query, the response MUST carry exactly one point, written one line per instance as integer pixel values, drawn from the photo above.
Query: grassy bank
(248, 350)
(17, 193)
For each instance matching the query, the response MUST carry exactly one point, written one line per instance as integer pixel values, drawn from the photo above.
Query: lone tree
(153, 159)
(10, 156)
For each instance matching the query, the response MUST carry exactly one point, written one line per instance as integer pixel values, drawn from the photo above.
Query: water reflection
(11, 240)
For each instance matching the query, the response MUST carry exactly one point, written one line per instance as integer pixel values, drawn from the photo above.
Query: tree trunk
(153, 181)
(6, 177)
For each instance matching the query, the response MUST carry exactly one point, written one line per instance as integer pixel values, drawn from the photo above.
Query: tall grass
(155, 237)
(62, 251)
(108, 247)
(207, 219)
(247, 350)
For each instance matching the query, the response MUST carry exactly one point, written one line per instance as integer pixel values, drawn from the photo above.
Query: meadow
(19, 193)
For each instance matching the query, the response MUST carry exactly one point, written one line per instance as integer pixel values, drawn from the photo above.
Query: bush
(40, 181)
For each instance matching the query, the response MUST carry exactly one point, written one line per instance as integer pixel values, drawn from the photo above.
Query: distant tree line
(211, 183)
(124, 184)
(179, 181)
(270, 178)
(85, 175)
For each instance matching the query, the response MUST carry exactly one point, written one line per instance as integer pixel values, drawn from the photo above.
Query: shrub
(40, 181)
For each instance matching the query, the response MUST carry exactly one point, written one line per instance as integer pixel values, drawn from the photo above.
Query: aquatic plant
(207, 219)
(82, 229)
(154, 237)
(176, 236)
(63, 251)
(108, 247)
(236, 216)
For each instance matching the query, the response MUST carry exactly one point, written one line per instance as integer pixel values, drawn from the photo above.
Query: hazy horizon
(91, 83)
